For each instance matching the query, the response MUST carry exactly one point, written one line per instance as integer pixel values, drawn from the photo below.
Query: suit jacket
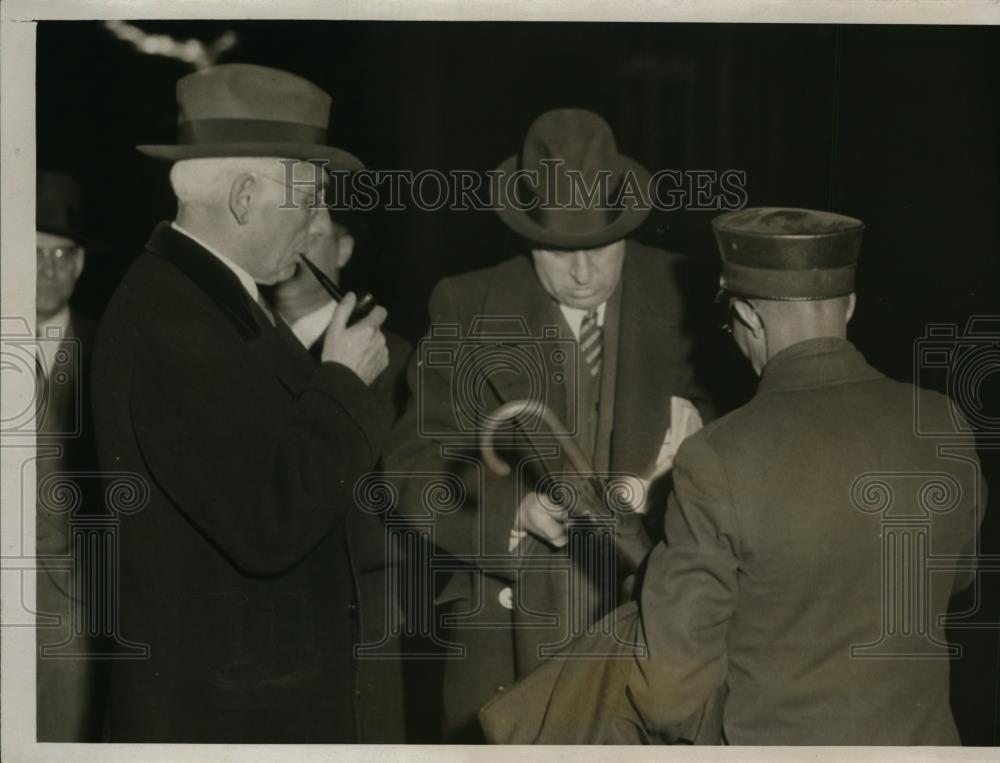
(795, 573)
(504, 311)
(238, 572)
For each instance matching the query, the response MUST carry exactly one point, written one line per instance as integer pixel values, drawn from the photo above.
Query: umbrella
(631, 545)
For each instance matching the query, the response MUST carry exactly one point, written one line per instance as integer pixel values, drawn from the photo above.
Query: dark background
(898, 126)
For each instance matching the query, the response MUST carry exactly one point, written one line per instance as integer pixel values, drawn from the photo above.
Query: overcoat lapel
(649, 370)
(517, 295)
(289, 360)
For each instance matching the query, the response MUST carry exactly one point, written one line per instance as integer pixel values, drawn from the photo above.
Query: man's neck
(195, 226)
(57, 319)
(297, 306)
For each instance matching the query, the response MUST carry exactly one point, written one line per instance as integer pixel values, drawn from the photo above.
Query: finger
(552, 508)
(375, 317)
(342, 312)
(555, 532)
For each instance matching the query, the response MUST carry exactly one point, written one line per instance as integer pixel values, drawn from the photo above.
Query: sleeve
(262, 474)
(966, 577)
(688, 596)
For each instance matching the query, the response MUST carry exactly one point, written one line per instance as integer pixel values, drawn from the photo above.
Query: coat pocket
(258, 648)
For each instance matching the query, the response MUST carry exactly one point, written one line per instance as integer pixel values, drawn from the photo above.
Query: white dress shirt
(575, 315)
(312, 326)
(245, 278)
(54, 329)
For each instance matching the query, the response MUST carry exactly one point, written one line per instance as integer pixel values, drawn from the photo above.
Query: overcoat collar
(210, 276)
(820, 362)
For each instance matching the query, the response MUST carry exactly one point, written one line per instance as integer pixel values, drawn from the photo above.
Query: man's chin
(584, 302)
(278, 276)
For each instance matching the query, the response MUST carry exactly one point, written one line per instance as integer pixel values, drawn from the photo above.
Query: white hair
(206, 182)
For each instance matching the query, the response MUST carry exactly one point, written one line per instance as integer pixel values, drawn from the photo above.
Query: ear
(241, 197)
(851, 303)
(748, 316)
(345, 248)
(78, 266)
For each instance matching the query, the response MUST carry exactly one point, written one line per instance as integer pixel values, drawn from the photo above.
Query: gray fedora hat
(571, 151)
(248, 110)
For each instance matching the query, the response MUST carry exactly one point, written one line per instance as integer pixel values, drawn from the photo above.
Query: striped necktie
(591, 341)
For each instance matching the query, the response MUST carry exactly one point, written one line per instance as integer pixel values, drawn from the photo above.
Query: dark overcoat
(238, 572)
(506, 611)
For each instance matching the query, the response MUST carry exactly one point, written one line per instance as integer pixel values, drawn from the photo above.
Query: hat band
(592, 216)
(197, 131)
(788, 284)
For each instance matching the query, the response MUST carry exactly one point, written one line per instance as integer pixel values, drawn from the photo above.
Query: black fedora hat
(555, 211)
(248, 110)
(57, 205)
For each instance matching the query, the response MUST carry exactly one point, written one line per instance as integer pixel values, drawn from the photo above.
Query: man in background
(307, 307)
(69, 707)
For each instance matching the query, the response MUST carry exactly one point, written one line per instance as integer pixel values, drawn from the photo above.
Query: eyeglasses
(61, 258)
(312, 196)
(728, 302)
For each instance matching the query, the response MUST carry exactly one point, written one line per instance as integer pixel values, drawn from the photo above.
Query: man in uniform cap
(781, 588)
(607, 317)
(238, 574)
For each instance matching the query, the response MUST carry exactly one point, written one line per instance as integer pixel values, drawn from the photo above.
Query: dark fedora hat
(569, 188)
(248, 110)
(57, 205)
(788, 254)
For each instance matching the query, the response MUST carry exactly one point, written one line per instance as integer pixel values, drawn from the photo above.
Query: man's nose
(580, 269)
(47, 269)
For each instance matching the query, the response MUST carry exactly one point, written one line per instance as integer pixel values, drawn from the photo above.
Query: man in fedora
(588, 322)
(68, 686)
(237, 572)
(794, 580)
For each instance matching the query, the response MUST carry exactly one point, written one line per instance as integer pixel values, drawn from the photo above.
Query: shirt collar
(312, 326)
(55, 325)
(575, 315)
(245, 278)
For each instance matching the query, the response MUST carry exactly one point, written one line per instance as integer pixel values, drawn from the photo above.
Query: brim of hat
(63, 231)
(337, 158)
(521, 222)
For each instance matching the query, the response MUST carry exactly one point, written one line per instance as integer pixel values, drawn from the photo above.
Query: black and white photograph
(411, 378)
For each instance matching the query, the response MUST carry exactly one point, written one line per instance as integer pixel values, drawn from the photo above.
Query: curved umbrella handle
(631, 548)
(514, 409)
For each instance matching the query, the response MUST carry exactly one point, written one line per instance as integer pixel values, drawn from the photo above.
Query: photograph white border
(17, 269)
